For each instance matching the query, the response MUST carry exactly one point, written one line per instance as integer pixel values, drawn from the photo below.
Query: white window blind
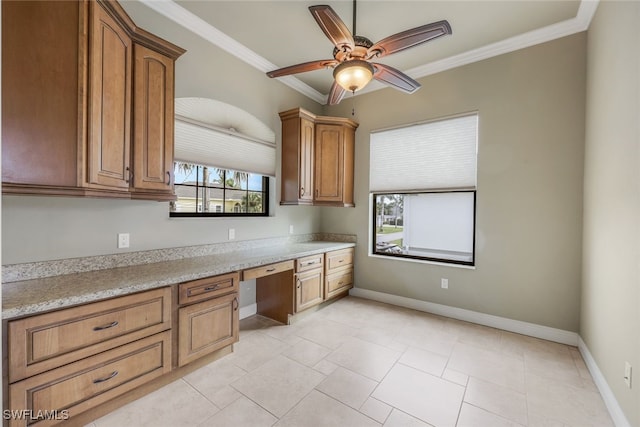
(429, 156)
(212, 133)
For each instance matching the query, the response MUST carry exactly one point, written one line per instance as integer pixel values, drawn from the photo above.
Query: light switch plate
(232, 233)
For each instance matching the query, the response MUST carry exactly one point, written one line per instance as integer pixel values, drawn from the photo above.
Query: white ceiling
(270, 34)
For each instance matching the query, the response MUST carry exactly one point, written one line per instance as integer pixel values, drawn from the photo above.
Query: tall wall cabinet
(317, 159)
(87, 105)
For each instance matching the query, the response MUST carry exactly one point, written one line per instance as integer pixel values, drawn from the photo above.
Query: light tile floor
(363, 363)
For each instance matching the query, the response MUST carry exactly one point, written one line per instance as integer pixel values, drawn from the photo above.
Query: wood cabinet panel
(46, 341)
(40, 80)
(339, 259)
(81, 385)
(109, 125)
(329, 163)
(338, 272)
(153, 121)
(309, 263)
(309, 289)
(338, 283)
(206, 327)
(317, 159)
(209, 287)
(68, 98)
(297, 158)
(306, 161)
(254, 273)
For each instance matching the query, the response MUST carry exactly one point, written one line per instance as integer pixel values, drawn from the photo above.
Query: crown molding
(193, 23)
(198, 26)
(565, 28)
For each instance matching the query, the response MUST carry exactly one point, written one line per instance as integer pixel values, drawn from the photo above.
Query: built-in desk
(123, 332)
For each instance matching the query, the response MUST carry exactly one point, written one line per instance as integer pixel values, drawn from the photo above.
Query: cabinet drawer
(339, 259)
(208, 287)
(309, 263)
(206, 327)
(46, 341)
(267, 270)
(82, 385)
(338, 283)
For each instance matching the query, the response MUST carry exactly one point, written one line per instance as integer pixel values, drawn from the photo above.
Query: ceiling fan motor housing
(360, 51)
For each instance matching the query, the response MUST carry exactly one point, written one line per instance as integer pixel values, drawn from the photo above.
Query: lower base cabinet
(338, 272)
(208, 317)
(70, 361)
(207, 326)
(309, 289)
(56, 395)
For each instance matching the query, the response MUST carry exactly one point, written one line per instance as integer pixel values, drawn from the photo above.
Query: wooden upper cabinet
(329, 163)
(87, 102)
(317, 159)
(109, 126)
(153, 123)
(297, 157)
(40, 80)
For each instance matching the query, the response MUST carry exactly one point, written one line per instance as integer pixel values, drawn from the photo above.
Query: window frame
(444, 261)
(199, 187)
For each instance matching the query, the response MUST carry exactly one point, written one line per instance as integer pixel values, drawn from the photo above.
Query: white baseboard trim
(517, 326)
(248, 310)
(619, 419)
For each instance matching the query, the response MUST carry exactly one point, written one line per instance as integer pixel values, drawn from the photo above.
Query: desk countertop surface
(34, 296)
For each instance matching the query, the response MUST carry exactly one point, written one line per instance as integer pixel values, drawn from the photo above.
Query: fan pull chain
(353, 103)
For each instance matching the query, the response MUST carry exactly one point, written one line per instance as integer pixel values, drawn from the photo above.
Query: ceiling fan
(352, 55)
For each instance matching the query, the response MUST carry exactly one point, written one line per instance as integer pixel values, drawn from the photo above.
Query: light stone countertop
(39, 295)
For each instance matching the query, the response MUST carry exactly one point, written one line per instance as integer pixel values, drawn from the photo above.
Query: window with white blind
(422, 180)
(224, 158)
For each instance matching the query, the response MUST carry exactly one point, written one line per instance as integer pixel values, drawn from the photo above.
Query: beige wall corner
(610, 317)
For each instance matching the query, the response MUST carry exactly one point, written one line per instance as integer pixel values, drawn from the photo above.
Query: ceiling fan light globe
(353, 75)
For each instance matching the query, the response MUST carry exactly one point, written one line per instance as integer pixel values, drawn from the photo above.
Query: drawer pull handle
(168, 178)
(340, 282)
(207, 289)
(107, 326)
(107, 378)
(269, 270)
(341, 260)
(310, 262)
(235, 304)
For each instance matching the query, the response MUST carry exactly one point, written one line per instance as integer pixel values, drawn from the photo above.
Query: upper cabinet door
(109, 118)
(306, 161)
(329, 165)
(153, 120)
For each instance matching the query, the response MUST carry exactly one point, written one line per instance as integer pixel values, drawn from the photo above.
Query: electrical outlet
(123, 240)
(232, 233)
(291, 229)
(444, 283)
(627, 374)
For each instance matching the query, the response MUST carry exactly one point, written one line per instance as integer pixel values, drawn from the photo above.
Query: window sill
(422, 261)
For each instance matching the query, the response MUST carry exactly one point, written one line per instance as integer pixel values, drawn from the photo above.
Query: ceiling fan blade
(395, 78)
(303, 68)
(335, 94)
(332, 26)
(409, 38)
